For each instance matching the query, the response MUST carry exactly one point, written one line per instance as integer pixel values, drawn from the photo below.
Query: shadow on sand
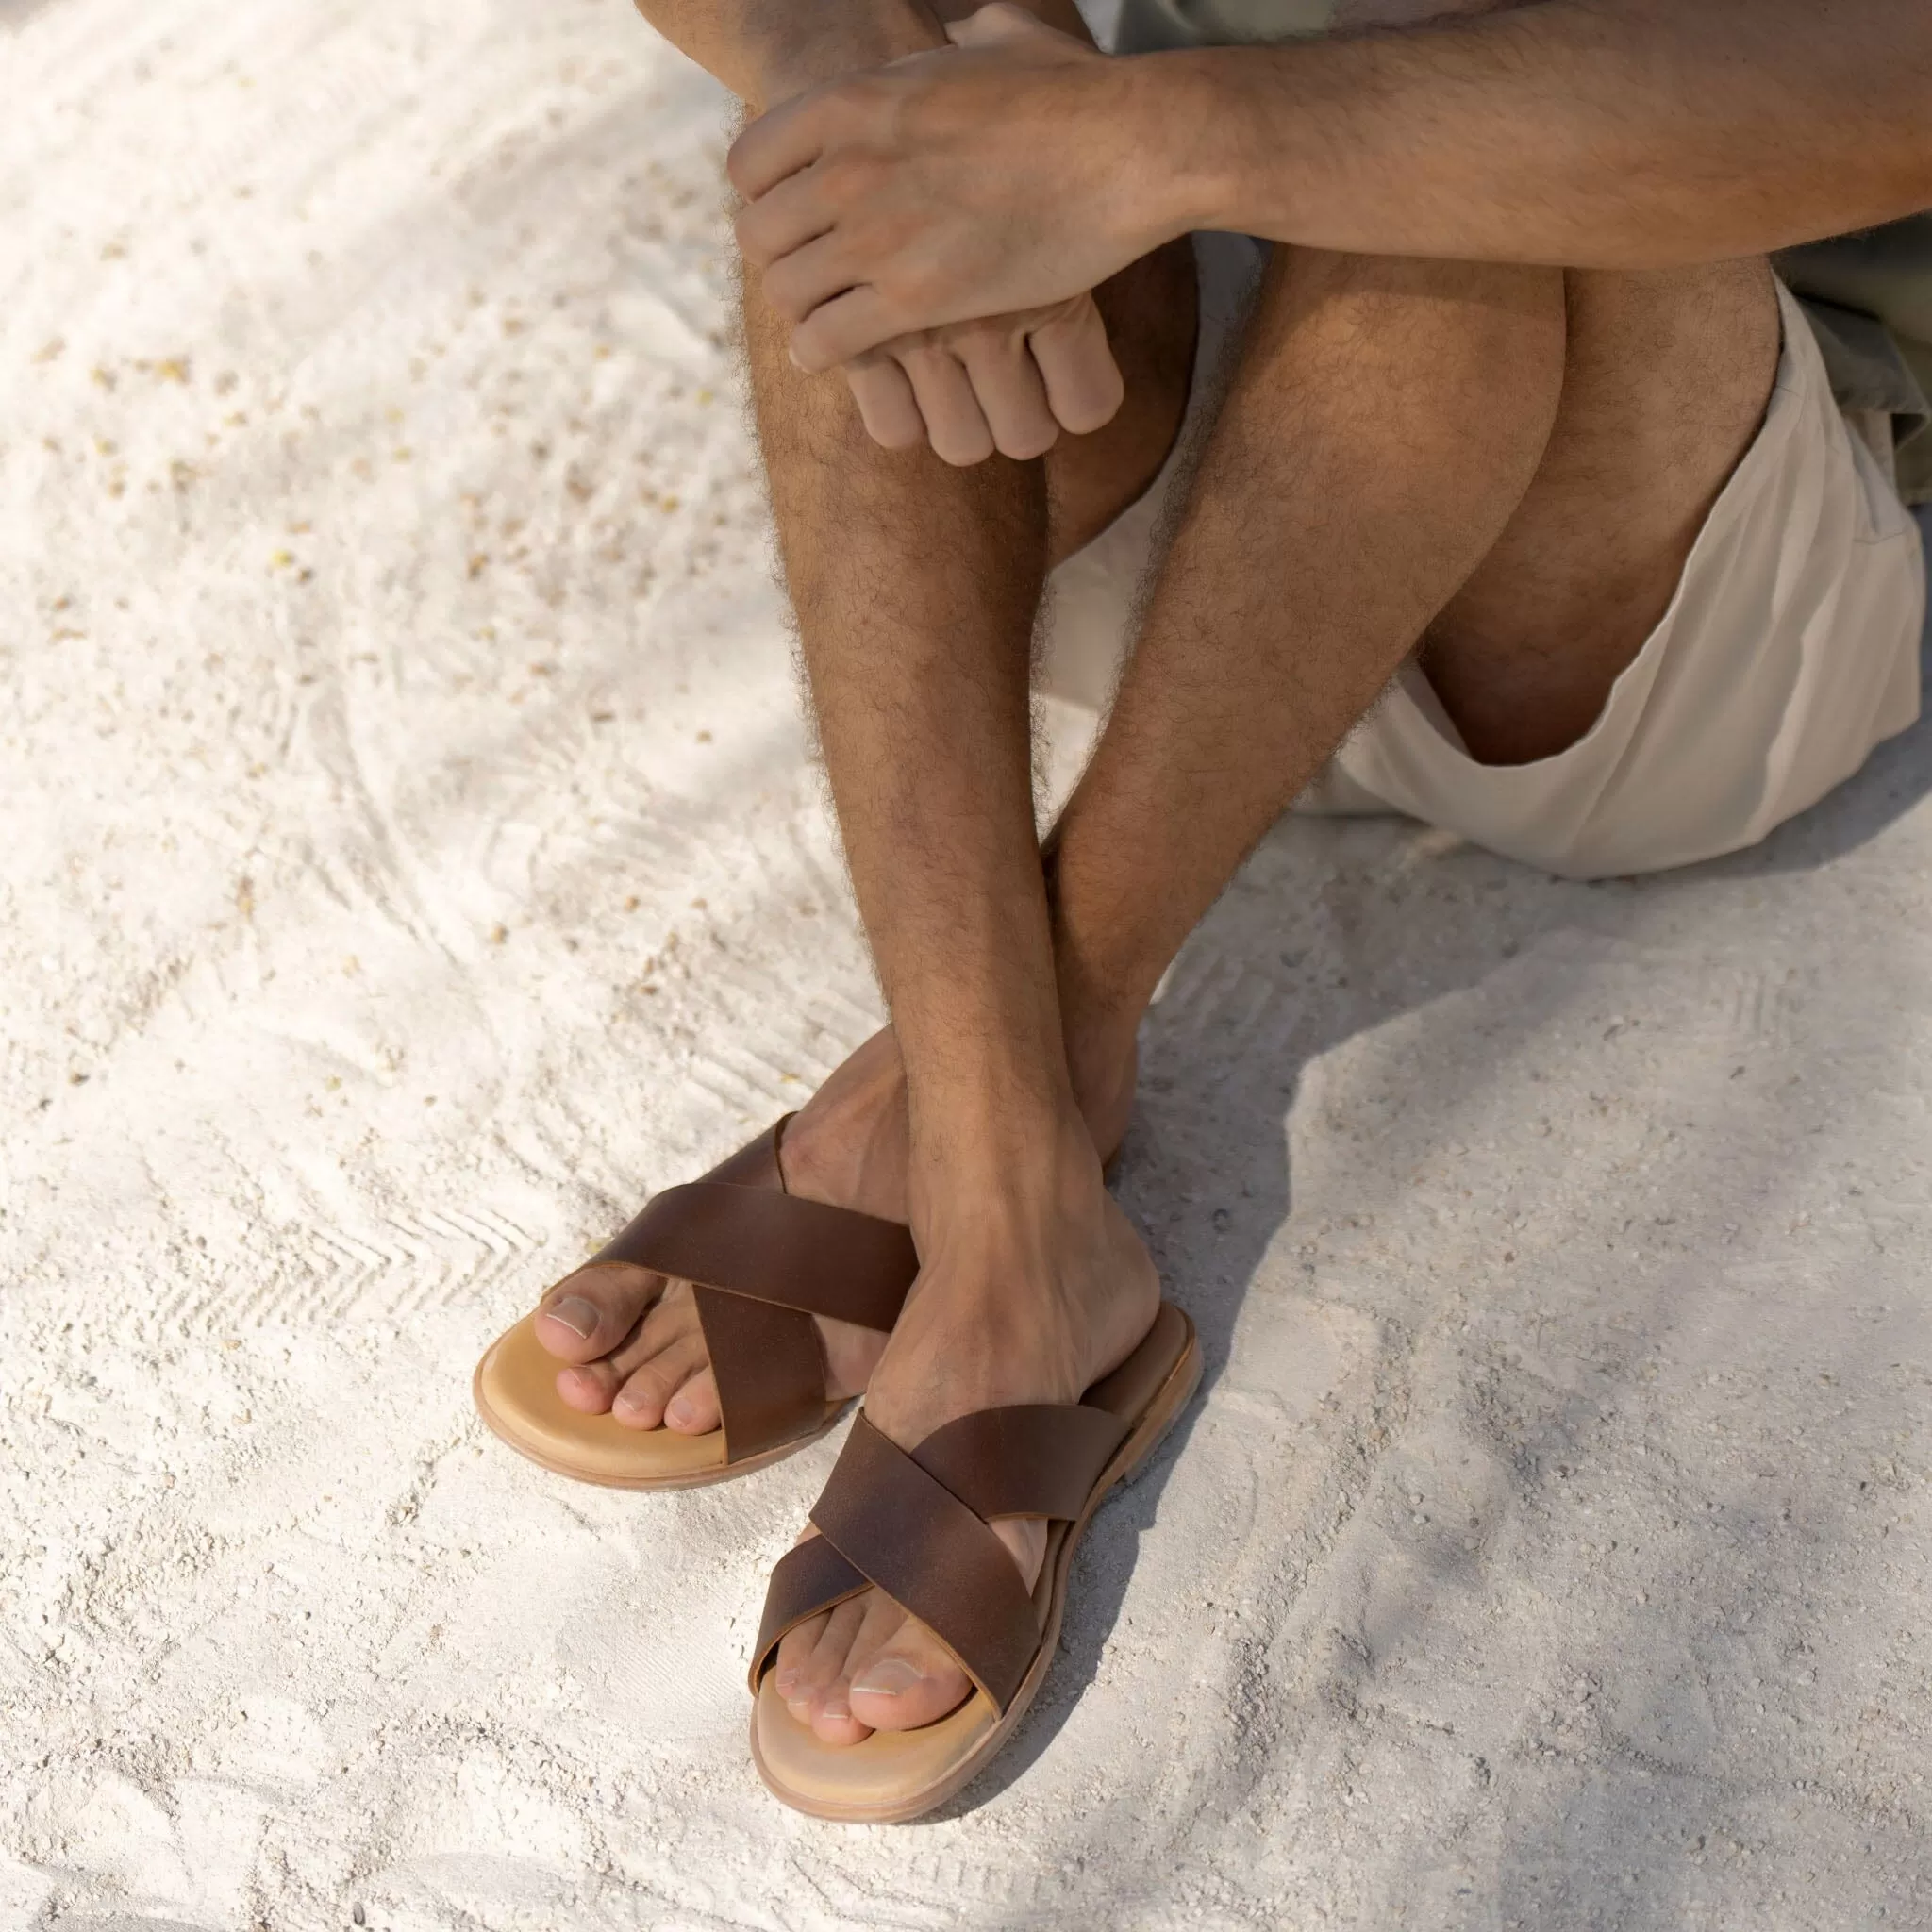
(1334, 929)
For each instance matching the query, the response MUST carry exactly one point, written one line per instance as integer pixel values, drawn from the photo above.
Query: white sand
(410, 857)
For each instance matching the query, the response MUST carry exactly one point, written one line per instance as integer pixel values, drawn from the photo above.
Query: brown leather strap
(756, 1165)
(769, 1368)
(916, 1526)
(930, 1553)
(762, 1263)
(807, 1580)
(775, 1247)
(1039, 1459)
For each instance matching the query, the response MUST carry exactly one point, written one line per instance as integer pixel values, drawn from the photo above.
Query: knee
(1459, 361)
(1452, 313)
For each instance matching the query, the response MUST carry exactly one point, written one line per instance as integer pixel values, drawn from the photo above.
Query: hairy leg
(893, 554)
(916, 590)
(1402, 441)
(1355, 378)
(1630, 397)
(1384, 424)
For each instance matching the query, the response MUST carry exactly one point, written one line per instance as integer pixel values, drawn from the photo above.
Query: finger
(779, 143)
(1084, 388)
(844, 326)
(1010, 393)
(808, 279)
(955, 424)
(886, 406)
(790, 215)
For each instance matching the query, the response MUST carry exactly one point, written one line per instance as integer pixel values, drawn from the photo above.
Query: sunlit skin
(1024, 166)
(1469, 417)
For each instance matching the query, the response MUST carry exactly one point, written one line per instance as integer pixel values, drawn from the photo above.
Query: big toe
(913, 1679)
(902, 1675)
(589, 1313)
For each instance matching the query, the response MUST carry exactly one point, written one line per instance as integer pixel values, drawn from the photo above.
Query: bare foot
(1034, 1286)
(632, 1337)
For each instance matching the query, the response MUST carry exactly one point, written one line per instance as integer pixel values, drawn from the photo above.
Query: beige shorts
(1789, 650)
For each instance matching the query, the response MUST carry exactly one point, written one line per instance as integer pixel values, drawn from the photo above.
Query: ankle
(1103, 1065)
(1002, 1166)
(847, 1143)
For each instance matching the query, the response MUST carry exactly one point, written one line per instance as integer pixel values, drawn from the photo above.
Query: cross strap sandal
(916, 1525)
(761, 1262)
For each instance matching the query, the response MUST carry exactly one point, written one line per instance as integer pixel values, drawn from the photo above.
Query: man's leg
(1403, 443)
(895, 561)
(1381, 409)
(1362, 389)
(1384, 422)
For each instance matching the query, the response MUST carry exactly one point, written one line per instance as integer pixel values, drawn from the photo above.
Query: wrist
(1231, 128)
(1170, 160)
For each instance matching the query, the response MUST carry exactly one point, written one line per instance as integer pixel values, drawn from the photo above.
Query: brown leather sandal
(762, 1263)
(915, 1525)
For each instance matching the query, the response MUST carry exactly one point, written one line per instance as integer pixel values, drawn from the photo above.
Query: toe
(589, 1313)
(661, 1343)
(593, 1386)
(821, 1699)
(648, 1390)
(695, 1410)
(795, 1656)
(589, 1387)
(907, 1679)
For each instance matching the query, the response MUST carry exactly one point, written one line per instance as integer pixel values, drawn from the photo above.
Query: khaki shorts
(1789, 650)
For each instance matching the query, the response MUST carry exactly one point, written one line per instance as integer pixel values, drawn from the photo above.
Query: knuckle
(750, 236)
(781, 293)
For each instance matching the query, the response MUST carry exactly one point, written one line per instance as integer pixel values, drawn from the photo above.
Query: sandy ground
(411, 856)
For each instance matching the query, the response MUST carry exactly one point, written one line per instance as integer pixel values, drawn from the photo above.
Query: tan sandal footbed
(515, 1392)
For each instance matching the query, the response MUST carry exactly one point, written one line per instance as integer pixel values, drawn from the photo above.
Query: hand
(995, 179)
(1011, 383)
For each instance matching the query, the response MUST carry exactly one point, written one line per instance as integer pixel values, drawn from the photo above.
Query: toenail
(788, 1684)
(580, 1316)
(891, 1677)
(835, 1705)
(679, 1411)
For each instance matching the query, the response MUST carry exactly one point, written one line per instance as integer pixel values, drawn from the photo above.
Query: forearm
(1625, 134)
(767, 50)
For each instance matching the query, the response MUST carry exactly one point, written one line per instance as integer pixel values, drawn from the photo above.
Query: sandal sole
(505, 1432)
